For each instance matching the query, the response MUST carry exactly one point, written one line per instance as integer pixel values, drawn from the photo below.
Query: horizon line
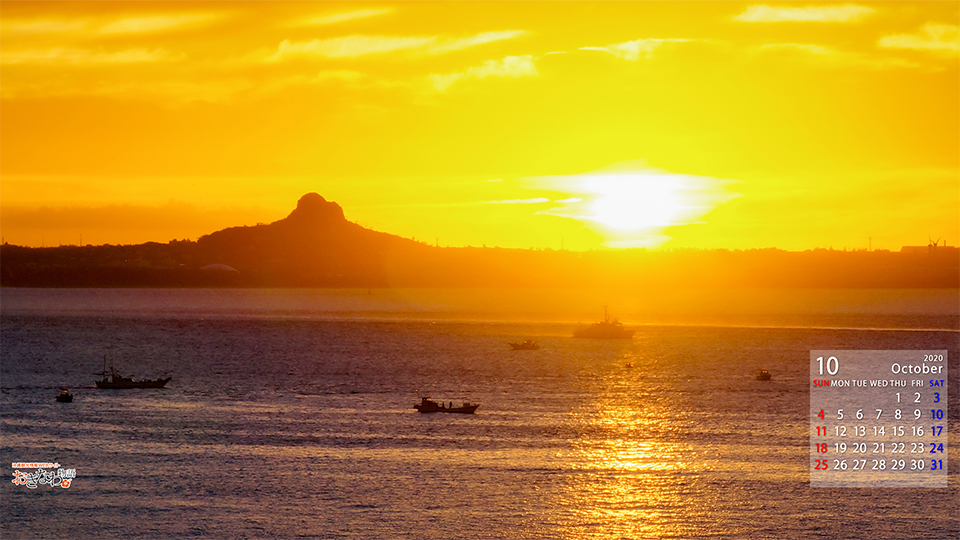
(931, 246)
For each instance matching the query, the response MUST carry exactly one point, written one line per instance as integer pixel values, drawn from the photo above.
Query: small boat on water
(525, 345)
(605, 329)
(65, 396)
(119, 382)
(428, 405)
(763, 375)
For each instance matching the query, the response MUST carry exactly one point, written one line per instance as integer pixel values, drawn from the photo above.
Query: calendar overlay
(878, 419)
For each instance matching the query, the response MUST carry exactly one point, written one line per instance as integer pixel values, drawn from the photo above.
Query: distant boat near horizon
(119, 382)
(763, 375)
(605, 329)
(428, 405)
(525, 345)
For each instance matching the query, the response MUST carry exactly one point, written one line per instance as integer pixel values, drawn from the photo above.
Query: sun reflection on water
(633, 474)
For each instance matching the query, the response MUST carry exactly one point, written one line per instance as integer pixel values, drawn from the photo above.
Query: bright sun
(634, 202)
(633, 208)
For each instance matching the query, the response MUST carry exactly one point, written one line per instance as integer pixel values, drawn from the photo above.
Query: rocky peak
(313, 209)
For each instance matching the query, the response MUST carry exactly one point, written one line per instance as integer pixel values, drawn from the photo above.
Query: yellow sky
(710, 124)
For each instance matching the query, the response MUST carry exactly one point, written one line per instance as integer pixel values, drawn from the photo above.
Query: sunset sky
(583, 125)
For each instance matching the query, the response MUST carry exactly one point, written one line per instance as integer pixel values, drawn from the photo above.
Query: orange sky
(711, 124)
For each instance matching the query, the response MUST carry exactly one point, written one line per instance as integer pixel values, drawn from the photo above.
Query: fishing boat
(763, 375)
(605, 329)
(65, 396)
(116, 381)
(525, 345)
(428, 405)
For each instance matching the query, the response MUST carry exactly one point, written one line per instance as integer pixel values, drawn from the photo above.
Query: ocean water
(290, 415)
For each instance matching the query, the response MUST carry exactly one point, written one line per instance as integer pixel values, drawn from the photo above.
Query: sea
(290, 414)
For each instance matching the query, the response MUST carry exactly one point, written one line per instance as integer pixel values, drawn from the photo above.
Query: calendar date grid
(877, 419)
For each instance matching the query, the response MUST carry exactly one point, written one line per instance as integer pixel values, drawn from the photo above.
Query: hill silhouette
(315, 243)
(316, 246)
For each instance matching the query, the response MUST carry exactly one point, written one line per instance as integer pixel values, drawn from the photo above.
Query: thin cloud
(933, 37)
(805, 47)
(537, 200)
(472, 41)
(128, 25)
(348, 16)
(83, 56)
(509, 66)
(354, 46)
(351, 46)
(40, 27)
(174, 93)
(157, 23)
(767, 14)
(632, 51)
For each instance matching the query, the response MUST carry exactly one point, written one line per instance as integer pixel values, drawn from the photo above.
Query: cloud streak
(350, 46)
(354, 46)
(83, 56)
(768, 14)
(537, 200)
(157, 23)
(509, 66)
(40, 27)
(933, 37)
(348, 16)
(172, 93)
(804, 47)
(128, 25)
(633, 51)
(480, 39)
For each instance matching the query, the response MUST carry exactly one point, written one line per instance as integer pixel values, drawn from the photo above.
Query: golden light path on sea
(633, 472)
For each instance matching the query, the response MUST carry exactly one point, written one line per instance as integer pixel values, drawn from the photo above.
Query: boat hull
(455, 410)
(605, 329)
(126, 385)
(428, 405)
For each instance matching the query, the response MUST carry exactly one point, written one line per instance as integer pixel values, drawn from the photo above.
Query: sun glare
(634, 208)
(635, 202)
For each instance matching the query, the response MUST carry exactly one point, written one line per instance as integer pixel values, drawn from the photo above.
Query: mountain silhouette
(313, 242)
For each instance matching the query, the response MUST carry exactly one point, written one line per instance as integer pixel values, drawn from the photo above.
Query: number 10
(830, 370)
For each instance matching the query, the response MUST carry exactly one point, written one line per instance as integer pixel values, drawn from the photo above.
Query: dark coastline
(179, 264)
